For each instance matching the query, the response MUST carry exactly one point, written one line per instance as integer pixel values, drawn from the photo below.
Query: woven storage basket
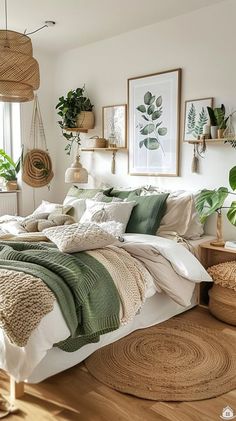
(96, 142)
(85, 120)
(222, 302)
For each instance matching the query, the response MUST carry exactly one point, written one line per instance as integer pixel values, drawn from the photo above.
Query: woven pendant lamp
(19, 71)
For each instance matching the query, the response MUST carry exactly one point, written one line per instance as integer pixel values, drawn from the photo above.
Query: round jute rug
(173, 361)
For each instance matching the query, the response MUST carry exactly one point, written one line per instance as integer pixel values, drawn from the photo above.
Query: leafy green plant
(196, 128)
(151, 111)
(68, 109)
(217, 116)
(210, 201)
(8, 168)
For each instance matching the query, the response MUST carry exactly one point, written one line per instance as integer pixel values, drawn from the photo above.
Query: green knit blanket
(84, 289)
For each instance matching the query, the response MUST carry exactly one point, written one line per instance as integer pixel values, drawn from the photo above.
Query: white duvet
(173, 268)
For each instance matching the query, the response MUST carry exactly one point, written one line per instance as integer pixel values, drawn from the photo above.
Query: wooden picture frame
(195, 116)
(114, 124)
(154, 123)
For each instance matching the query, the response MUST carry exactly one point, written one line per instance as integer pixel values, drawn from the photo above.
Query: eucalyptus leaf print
(151, 111)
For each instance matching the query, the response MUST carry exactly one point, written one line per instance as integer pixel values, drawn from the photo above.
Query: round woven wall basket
(37, 168)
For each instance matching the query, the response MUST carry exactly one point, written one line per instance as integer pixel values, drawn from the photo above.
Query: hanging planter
(85, 120)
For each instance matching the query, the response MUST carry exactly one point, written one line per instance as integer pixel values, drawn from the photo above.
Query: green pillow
(79, 193)
(122, 194)
(146, 216)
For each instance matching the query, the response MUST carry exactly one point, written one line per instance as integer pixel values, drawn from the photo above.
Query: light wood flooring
(76, 396)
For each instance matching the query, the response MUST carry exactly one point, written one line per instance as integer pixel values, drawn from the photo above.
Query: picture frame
(195, 117)
(114, 124)
(154, 123)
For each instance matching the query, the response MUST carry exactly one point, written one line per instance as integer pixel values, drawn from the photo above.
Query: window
(10, 129)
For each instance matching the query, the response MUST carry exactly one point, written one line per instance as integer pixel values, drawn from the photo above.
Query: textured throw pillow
(121, 194)
(48, 207)
(102, 212)
(147, 215)
(79, 237)
(101, 197)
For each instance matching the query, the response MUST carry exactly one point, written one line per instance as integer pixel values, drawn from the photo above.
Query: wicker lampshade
(19, 71)
(76, 173)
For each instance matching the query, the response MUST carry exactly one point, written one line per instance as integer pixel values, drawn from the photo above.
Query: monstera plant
(151, 126)
(210, 201)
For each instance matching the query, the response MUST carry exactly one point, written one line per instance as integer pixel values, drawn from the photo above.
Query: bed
(39, 360)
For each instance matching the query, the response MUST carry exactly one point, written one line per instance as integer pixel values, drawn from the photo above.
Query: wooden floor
(76, 395)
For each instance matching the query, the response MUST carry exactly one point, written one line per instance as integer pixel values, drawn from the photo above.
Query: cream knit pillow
(79, 237)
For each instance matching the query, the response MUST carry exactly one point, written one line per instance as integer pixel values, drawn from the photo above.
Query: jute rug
(173, 361)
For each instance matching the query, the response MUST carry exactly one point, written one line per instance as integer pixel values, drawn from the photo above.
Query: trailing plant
(196, 128)
(8, 168)
(217, 116)
(210, 201)
(68, 109)
(151, 111)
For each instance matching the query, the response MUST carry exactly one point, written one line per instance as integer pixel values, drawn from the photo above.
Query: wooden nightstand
(209, 256)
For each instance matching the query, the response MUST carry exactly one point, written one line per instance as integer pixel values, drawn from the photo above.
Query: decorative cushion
(224, 274)
(48, 207)
(181, 216)
(103, 212)
(101, 197)
(79, 237)
(146, 216)
(121, 194)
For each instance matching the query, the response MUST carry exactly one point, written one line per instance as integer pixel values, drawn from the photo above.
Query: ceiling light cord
(36, 30)
(6, 13)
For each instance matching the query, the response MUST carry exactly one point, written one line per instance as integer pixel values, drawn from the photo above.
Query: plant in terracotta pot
(76, 111)
(9, 170)
(218, 121)
(210, 201)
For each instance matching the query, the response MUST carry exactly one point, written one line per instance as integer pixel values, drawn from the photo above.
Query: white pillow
(79, 237)
(103, 212)
(48, 207)
(78, 207)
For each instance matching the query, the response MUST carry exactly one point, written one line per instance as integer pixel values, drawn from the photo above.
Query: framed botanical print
(153, 123)
(114, 124)
(196, 116)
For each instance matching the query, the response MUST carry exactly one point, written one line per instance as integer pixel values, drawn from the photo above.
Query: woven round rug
(173, 361)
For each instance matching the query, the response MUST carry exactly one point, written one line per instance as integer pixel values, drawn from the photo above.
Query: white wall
(201, 43)
(30, 198)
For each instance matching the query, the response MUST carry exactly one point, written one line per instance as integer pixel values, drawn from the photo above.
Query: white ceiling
(80, 22)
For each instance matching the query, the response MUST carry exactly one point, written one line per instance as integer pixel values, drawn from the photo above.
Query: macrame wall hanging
(199, 149)
(37, 164)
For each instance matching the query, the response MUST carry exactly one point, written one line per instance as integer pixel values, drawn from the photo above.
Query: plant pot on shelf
(219, 242)
(85, 120)
(11, 185)
(214, 132)
(220, 133)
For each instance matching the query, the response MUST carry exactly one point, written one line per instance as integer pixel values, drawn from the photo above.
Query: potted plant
(210, 201)
(76, 110)
(218, 121)
(9, 170)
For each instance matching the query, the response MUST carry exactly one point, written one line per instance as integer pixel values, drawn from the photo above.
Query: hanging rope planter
(37, 165)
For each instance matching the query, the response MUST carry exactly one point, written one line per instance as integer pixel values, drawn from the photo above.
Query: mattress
(156, 309)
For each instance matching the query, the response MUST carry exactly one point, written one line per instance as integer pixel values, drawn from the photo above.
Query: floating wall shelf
(213, 141)
(113, 150)
(75, 129)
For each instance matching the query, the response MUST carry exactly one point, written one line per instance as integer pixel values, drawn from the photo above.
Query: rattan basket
(96, 142)
(222, 304)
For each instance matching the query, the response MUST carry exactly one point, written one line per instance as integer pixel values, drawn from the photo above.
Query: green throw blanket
(85, 291)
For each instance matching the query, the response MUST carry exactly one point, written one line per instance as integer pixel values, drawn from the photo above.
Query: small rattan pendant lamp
(19, 71)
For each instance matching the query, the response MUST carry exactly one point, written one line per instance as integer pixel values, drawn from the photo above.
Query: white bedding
(38, 359)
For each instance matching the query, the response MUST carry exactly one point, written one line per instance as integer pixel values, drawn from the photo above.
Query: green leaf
(209, 201)
(145, 118)
(156, 114)
(141, 108)
(158, 124)
(147, 98)
(232, 178)
(141, 143)
(159, 101)
(149, 128)
(162, 131)
(152, 99)
(150, 109)
(151, 143)
(231, 214)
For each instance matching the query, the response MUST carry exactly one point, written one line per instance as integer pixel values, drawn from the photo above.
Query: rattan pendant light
(19, 71)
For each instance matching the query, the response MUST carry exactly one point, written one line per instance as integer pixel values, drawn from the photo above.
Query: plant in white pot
(9, 170)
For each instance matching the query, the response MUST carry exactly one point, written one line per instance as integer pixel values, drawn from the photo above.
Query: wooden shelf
(75, 129)
(213, 141)
(103, 149)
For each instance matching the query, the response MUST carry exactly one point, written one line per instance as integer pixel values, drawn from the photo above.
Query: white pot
(85, 120)
(214, 132)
